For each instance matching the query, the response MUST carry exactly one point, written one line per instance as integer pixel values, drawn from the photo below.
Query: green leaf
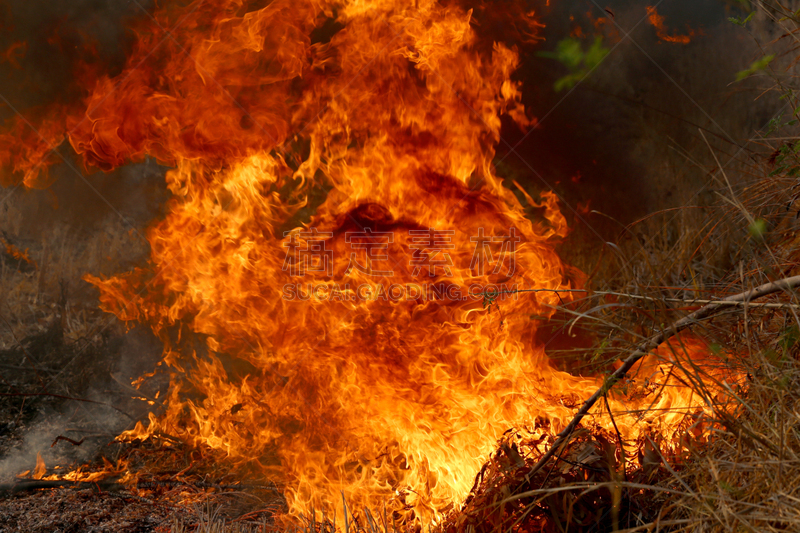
(758, 228)
(580, 63)
(596, 53)
(740, 22)
(568, 81)
(755, 66)
(568, 51)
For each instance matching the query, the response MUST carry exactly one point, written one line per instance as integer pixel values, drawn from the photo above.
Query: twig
(648, 346)
(727, 303)
(71, 441)
(153, 483)
(29, 368)
(61, 396)
(133, 391)
(36, 484)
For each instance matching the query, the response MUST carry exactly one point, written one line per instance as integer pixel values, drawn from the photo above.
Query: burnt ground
(66, 400)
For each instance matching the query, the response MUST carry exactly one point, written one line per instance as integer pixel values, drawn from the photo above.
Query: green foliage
(794, 16)
(777, 122)
(570, 52)
(600, 351)
(756, 66)
(773, 356)
(490, 298)
(742, 22)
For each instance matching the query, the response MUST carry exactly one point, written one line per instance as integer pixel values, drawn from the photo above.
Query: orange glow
(14, 53)
(335, 117)
(41, 469)
(16, 253)
(657, 21)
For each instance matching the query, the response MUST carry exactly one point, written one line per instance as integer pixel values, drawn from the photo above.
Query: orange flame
(41, 469)
(657, 21)
(300, 125)
(16, 253)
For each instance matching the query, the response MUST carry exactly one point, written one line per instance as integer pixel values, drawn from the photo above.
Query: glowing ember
(332, 176)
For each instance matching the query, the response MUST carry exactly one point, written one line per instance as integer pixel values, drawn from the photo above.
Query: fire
(657, 21)
(324, 154)
(41, 469)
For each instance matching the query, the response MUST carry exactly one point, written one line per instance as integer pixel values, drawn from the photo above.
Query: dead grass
(48, 286)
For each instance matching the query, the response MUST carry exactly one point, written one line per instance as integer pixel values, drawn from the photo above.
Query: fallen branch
(651, 344)
(492, 295)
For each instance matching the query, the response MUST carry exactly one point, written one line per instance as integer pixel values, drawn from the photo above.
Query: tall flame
(307, 123)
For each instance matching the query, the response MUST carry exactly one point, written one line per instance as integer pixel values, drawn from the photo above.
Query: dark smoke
(627, 138)
(57, 44)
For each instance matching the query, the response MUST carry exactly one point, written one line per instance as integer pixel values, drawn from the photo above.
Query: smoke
(43, 43)
(49, 52)
(39, 437)
(92, 424)
(627, 139)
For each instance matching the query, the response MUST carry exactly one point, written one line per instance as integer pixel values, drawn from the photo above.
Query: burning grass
(731, 463)
(445, 414)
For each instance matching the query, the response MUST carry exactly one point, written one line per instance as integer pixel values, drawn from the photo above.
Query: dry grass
(48, 286)
(748, 477)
